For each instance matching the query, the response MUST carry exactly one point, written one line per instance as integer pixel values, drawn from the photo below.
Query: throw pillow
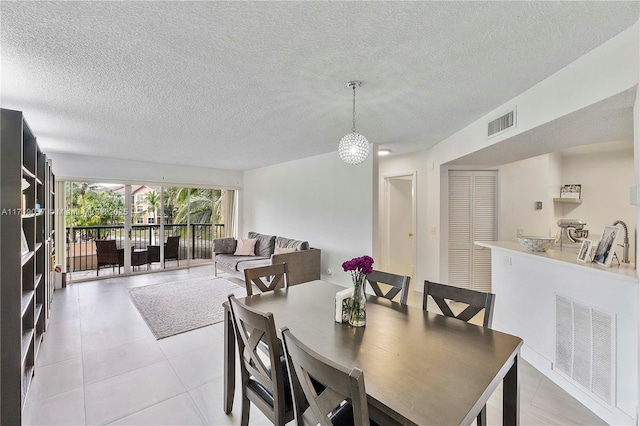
(289, 242)
(280, 250)
(264, 244)
(245, 247)
(225, 245)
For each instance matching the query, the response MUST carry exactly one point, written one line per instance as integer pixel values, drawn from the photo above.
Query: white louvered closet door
(473, 216)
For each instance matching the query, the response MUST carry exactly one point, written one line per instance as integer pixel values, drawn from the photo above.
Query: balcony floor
(90, 274)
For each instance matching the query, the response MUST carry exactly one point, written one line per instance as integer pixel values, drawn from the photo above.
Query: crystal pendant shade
(353, 148)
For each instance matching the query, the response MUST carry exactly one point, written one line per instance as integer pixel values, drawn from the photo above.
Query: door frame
(385, 224)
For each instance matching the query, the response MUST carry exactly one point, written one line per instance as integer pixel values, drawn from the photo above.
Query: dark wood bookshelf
(26, 286)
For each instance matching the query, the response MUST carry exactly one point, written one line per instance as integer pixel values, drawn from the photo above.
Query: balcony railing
(195, 241)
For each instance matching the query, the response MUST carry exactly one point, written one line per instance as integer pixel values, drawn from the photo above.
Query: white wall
(555, 182)
(606, 178)
(319, 199)
(521, 184)
(79, 167)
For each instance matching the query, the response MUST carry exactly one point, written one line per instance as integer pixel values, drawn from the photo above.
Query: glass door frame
(128, 243)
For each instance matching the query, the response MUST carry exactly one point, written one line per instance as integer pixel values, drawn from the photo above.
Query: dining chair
(475, 301)
(266, 278)
(340, 400)
(397, 283)
(266, 385)
(108, 254)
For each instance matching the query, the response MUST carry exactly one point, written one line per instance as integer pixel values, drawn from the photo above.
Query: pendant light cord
(353, 129)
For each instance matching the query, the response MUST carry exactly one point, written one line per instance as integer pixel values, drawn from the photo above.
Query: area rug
(175, 307)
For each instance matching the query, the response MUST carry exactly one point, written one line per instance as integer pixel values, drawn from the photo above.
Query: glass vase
(358, 307)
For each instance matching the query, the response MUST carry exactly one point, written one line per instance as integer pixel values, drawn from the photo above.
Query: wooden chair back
(475, 300)
(396, 284)
(256, 335)
(266, 278)
(308, 369)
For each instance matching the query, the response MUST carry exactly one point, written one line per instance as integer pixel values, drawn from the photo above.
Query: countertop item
(532, 243)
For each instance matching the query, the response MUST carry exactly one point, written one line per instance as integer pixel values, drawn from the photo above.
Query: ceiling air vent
(502, 124)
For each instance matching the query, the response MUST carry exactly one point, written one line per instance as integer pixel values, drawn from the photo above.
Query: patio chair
(171, 251)
(108, 254)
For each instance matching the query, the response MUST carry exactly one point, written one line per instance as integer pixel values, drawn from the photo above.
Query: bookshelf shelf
(567, 200)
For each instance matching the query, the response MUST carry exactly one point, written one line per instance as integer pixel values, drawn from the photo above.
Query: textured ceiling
(239, 85)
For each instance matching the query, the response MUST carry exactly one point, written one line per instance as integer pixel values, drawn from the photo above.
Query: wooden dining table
(420, 368)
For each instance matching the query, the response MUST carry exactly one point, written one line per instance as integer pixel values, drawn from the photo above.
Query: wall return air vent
(586, 347)
(502, 124)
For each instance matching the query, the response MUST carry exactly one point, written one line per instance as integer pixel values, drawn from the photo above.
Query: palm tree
(152, 199)
(170, 196)
(199, 207)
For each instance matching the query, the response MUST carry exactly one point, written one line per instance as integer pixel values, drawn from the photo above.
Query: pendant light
(353, 148)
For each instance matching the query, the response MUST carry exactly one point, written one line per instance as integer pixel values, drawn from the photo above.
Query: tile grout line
(84, 391)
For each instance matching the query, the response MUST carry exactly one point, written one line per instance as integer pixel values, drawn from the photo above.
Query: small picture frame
(573, 191)
(584, 254)
(607, 246)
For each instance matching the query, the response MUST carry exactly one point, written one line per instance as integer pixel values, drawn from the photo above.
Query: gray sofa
(303, 264)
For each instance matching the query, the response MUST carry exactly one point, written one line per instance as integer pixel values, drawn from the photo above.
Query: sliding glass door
(94, 212)
(146, 227)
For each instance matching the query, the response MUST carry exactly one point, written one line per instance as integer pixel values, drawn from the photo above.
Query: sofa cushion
(281, 250)
(224, 245)
(246, 247)
(253, 263)
(231, 261)
(291, 243)
(265, 244)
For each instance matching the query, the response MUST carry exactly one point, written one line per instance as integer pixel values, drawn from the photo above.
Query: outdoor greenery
(94, 205)
(180, 201)
(152, 199)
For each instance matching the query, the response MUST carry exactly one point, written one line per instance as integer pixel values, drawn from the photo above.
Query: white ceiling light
(383, 152)
(353, 148)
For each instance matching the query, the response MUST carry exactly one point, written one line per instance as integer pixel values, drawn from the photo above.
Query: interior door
(398, 234)
(473, 216)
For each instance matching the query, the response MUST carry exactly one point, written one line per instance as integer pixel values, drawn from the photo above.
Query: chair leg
(482, 417)
(246, 405)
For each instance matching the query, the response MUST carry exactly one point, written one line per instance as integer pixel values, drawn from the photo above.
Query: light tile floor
(99, 364)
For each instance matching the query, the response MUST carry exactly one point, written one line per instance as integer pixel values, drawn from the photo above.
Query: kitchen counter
(579, 323)
(624, 270)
